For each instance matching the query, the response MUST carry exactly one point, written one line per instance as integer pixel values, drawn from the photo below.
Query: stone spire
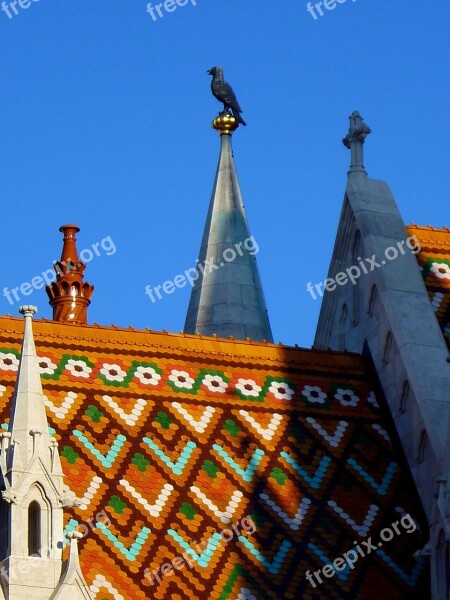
(69, 295)
(227, 297)
(354, 141)
(33, 496)
(28, 427)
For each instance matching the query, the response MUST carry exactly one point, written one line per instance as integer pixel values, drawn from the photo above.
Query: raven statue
(224, 93)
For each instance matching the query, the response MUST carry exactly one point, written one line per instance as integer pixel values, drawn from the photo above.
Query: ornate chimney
(69, 295)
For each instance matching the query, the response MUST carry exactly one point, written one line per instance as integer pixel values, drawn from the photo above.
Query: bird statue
(224, 93)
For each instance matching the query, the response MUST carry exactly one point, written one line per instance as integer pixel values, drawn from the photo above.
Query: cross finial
(354, 140)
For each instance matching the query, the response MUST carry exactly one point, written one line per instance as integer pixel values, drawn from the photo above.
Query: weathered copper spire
(227, 298)
(69, 295)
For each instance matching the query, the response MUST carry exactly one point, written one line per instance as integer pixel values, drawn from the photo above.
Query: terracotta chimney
(69, 295)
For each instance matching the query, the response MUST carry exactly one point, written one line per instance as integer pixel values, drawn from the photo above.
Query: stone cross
(354, 140)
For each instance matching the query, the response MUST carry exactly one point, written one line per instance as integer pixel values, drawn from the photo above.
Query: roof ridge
(177, 345)
(443, 229)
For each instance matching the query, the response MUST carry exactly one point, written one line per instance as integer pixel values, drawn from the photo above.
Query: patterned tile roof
(173, 443)
(434, 261)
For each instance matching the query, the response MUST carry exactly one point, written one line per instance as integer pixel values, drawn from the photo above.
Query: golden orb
(225, 124)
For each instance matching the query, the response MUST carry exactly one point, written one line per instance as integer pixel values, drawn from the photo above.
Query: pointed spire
(70, 295)
(72, 585)
(227, 298)
(33, 495)
(28, 426)
(354, 141)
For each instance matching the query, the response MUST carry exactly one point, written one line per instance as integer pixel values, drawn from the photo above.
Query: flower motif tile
(314, 394)
(169, 457)
(346, 397)
(181, 380)
(78, 368)
(248, 388)
(113, 372)
(147, 375)
(8, 361)
(281, 390)
(441, 270)
(47, 366)
(215, 383)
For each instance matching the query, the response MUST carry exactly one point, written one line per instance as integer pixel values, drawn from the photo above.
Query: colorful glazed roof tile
(218, 469)
(434, 261)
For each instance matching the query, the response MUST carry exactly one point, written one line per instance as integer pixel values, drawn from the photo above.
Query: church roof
(179, 438)
(434, 261)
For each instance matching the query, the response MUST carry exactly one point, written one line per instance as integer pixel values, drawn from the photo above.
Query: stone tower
(376, 303)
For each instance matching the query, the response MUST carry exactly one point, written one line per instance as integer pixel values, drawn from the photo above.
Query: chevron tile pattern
(179, 452)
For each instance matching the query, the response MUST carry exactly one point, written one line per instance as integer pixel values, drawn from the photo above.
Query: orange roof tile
(173, 442)
(434, 262)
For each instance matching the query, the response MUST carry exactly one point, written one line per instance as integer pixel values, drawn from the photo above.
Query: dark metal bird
(224, 93)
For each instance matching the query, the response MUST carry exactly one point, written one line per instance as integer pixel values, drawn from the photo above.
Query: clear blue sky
(106, 123)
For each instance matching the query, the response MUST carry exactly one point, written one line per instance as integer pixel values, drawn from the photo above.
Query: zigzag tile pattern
(170, 450)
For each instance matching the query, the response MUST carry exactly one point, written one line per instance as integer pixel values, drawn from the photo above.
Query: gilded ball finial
(225, 123)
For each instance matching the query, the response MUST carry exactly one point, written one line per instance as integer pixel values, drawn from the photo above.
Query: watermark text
(364, 266)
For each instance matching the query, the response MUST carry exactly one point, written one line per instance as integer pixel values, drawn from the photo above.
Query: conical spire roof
(31, 475)
(227, 298)
(29, 426)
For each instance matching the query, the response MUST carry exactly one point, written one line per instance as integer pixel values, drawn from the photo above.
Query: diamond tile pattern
(173, 442)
